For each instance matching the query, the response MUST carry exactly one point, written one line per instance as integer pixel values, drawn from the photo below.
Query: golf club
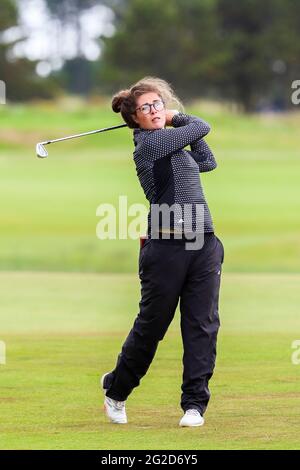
(41, 152)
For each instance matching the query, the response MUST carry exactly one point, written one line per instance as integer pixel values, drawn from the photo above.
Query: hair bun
(118, 100)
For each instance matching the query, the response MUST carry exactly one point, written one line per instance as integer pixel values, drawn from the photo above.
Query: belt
(172, 236)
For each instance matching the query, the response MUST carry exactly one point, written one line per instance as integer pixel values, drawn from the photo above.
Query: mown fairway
(48, 207)
(63, 329)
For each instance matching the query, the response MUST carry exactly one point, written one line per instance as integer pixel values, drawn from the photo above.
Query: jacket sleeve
(202, 155)
(187, 129)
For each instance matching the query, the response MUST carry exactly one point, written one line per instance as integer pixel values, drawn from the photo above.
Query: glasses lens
(145, 109)
(158, 105)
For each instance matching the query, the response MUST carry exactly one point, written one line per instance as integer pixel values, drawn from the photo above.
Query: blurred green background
(48, 219)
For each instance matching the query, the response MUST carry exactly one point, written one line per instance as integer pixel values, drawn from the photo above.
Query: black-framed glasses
(146, 108)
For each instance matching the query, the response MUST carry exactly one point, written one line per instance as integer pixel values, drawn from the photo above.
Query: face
(154, 119)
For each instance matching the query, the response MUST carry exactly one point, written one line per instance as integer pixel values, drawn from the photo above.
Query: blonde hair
(124, 101)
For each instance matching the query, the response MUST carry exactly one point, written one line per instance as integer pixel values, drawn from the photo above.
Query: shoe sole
(190, 425)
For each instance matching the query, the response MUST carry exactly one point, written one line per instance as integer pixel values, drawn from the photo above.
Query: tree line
(247, 51)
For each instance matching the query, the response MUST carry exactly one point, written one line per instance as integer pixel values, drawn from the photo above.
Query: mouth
(156, 119)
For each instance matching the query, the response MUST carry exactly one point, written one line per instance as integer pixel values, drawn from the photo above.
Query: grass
(65, 329)
(48, 215)
(68, 299)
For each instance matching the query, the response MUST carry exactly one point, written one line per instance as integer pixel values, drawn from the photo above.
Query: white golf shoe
(191, 418)
(115, 410)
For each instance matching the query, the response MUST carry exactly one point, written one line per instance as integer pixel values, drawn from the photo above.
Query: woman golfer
(181, 258)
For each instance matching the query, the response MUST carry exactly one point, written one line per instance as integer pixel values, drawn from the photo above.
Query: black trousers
(169, 273)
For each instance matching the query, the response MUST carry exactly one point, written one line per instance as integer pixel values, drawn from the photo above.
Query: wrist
(170, 113)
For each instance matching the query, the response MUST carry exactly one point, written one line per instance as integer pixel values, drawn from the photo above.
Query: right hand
(170, 113)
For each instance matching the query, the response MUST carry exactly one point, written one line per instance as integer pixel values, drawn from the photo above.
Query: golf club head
(41, 152)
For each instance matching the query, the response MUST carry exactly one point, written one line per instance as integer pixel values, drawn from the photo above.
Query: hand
(170, 113)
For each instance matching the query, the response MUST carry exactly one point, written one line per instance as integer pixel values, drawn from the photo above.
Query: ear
(134, 118)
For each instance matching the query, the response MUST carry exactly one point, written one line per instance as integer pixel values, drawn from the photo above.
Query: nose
(153, 110)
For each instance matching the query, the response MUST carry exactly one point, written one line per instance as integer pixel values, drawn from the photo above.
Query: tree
(263, 50)
(76, 74)
(246, 51)
(173, 40)
(20, 77)
(67, 12)
(8, 14)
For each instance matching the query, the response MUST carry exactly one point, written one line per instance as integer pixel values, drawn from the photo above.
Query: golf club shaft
(84, 133)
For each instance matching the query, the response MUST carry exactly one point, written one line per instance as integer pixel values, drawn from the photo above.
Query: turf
(69, 299)
(63, 330)
(48, 212)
